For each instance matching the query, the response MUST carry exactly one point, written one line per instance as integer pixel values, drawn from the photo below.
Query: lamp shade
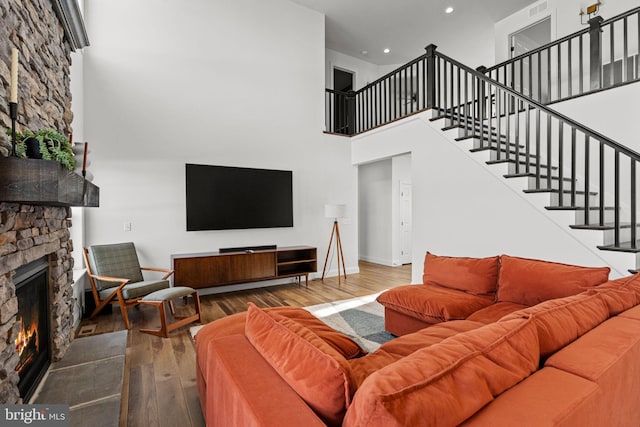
(334, 211)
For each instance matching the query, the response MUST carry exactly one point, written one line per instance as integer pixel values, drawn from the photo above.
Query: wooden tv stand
(210, 269)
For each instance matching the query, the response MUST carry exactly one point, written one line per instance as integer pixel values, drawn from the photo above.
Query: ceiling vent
(537, 9)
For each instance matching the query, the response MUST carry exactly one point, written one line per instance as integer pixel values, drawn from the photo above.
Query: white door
(405, 222)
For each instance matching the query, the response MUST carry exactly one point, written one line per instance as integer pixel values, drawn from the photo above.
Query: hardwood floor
(160, 387)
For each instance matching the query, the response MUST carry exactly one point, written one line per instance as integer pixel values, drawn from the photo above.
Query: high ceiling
(404, 26)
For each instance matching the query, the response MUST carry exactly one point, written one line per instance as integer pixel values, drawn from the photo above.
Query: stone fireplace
(29, 233)
(32, 290)
(35, 197)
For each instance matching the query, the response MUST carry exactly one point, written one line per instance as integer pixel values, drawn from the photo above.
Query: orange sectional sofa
(572, 359)
(456, 288)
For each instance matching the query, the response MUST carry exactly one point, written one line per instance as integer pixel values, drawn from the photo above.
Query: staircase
(583, 172)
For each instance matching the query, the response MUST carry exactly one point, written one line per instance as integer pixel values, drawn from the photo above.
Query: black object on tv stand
(248, 249)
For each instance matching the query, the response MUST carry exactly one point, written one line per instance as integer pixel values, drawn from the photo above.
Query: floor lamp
(335, 212)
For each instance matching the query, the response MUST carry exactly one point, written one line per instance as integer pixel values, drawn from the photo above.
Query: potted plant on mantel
(45, 144)
(39, 181)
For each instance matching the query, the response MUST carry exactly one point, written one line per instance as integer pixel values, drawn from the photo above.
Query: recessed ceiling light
(448, 10)
(387, 50)
(364, 52)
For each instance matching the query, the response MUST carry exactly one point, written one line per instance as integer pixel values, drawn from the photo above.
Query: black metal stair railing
(585, 171)
(601, 56)
(396, 95)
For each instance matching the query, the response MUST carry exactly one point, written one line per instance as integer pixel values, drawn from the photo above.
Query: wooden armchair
(116, 277)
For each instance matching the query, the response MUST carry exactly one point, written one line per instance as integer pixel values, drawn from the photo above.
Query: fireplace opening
(32, 344)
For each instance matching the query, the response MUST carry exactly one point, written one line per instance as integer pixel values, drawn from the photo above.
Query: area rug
(361, 318)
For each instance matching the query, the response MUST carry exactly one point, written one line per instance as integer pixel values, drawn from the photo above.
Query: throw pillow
(318, 373)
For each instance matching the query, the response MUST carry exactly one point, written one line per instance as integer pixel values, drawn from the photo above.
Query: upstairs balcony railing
(601, 56)
(584, 170)
(393, 96)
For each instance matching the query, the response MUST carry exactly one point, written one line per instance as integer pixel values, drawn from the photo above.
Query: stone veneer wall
(44, 93)
(30, 232)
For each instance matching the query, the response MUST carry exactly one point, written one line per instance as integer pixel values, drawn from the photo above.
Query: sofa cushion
(405, 345)
(237, 396)
(632, 313)
(563, 320)
(495, 312)
(620, 294)
(446, 383)
(431, 303)
(599, 350)
(314, 369)
(549, 397)
(607, 355)
(477, 276)
(529, 281)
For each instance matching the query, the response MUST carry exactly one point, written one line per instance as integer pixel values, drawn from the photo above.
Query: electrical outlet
(127, 226)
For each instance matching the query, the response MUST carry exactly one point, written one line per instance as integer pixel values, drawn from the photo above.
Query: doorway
(385, 211)
(530, 37)
(526, 40)
(342, 82)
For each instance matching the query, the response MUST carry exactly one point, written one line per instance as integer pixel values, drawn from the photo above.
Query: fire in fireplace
(27, 343)
(32, 343)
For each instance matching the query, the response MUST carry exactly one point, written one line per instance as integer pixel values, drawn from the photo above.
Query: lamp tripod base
(335, 231)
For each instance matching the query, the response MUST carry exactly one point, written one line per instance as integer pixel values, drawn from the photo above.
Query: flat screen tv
(226, 198)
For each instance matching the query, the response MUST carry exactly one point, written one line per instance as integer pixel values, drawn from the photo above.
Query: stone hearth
(28, 233)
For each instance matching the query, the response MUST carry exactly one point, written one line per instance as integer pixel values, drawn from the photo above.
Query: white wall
(375, 211)
(565, 20)
(77, 229)
(212, 82)
(608, 112)
(460, 208)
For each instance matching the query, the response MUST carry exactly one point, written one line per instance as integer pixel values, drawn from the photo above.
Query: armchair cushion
(137, 289)
(115, 260)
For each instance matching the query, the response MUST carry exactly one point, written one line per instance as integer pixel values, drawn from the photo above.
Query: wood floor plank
(142, 407)
(160, 372)
(184, 352)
